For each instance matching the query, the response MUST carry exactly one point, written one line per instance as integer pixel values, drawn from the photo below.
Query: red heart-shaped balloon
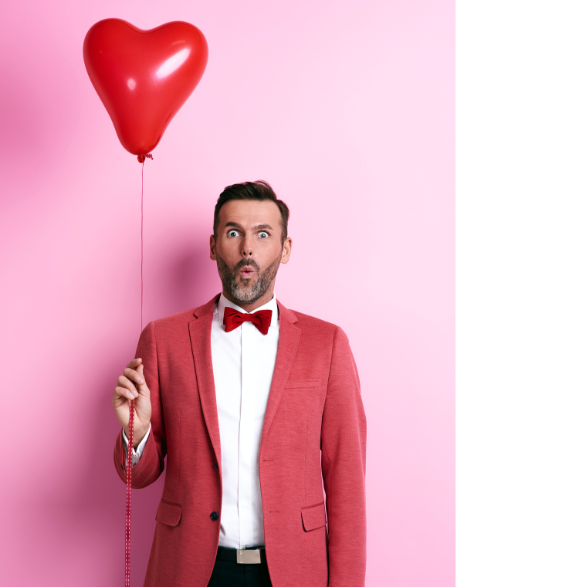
(144, 77)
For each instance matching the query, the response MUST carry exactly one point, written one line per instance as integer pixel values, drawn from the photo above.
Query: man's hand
(132, 385)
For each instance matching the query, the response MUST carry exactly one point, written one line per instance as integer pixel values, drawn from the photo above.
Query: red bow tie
(233, 319)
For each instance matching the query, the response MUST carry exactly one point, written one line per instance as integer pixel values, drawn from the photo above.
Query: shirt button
(214, 515)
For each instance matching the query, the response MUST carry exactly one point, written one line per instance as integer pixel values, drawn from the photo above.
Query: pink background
(347, 109)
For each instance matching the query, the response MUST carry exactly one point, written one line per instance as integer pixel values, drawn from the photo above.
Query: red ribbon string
(141, 159)
(128, 485)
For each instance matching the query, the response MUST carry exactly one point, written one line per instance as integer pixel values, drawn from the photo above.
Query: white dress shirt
(243, 361)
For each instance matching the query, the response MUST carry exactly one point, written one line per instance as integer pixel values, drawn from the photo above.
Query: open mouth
(246, 272)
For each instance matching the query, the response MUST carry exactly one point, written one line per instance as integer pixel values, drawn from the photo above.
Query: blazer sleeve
(152, 461)
(343, 440)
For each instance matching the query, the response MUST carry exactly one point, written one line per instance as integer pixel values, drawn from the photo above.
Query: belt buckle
(248, 557)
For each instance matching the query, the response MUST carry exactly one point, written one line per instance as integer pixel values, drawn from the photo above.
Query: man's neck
(264, 299)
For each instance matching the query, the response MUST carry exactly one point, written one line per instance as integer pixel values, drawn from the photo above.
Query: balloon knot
(141, 158)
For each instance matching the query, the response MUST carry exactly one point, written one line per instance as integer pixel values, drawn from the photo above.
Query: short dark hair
(252, 190)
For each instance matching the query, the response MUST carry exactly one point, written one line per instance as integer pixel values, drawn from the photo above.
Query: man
(259, 412)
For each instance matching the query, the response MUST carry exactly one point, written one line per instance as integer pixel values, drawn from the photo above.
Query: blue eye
(263, 234)
(232, 233)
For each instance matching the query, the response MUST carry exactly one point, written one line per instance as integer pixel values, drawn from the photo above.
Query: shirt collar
(224, 302)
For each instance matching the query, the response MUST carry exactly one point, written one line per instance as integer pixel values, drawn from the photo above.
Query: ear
(212, 248)
(286, 250)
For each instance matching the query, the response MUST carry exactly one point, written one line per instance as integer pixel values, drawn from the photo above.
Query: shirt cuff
(138, 451)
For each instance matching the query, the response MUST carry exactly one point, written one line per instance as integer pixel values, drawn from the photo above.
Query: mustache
(246, 263)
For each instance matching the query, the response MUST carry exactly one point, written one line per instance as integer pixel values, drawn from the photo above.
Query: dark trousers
(233, 574)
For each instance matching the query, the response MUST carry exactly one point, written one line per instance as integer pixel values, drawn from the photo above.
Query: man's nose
(247, 249)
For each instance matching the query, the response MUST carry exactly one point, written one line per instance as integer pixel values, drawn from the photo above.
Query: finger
(134, 376)
(123, 393)
(143, 388)
(134, 363)
(125, 382)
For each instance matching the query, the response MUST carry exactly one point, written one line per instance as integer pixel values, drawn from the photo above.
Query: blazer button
(216, 465)
(214, 515)
(122, 466)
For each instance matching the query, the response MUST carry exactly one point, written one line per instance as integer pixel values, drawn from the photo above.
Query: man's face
(248, 250)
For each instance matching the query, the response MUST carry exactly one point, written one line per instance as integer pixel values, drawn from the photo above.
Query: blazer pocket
(313, 517)
(303, 383)
(168, 513)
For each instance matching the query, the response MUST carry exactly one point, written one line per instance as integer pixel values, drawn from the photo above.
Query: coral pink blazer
(314, 431)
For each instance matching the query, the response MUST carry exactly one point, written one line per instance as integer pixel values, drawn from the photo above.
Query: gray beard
(245, 294)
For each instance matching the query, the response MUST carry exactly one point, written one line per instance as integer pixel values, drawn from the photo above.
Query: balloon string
(141, 159)
(128, 492)
(142, 185)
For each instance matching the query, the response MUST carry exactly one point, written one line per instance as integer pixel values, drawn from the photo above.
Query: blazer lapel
(289, 338)
(200, 336)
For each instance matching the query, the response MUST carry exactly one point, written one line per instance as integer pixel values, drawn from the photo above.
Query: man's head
(249, 242)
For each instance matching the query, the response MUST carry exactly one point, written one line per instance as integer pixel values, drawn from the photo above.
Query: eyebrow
(257, 227)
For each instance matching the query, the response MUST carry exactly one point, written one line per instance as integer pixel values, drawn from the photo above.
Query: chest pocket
(303, 383)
